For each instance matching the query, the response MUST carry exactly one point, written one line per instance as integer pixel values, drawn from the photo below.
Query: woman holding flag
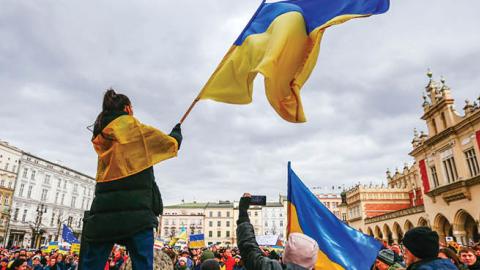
(127, 199)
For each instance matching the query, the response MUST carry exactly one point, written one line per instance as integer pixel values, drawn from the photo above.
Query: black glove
(243, 210)
(177, 134)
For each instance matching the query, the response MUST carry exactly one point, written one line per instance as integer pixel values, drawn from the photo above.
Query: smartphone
(258, 200)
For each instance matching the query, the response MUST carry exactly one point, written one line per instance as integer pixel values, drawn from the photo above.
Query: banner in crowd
(340, 247)
(181, 235)
(51, 246)
(266, 240)
(157, 244)
(196, 241)
(75, 248)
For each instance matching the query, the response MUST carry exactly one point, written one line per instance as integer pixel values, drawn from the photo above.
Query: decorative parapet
(396, 214)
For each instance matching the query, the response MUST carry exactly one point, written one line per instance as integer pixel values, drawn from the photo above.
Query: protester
(210, 264)
(468, 257)
(52, 264)
(421, 250)
(19, 264)
(228, 259)
(300, 251)
(386, 261)
(36, 265)
(448, 253)
(127, 199)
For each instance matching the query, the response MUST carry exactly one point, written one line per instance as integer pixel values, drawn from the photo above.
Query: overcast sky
(362, 101)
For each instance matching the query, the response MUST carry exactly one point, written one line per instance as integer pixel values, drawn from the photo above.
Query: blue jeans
(139, 246)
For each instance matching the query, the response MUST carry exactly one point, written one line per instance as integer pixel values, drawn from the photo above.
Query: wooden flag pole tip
(189, 110)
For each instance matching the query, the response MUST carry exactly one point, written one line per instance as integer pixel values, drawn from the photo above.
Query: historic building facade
(9, 163)
(46, 196)
(441, 189)
(332, 201)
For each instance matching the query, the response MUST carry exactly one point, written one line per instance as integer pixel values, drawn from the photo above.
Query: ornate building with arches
(442, 185)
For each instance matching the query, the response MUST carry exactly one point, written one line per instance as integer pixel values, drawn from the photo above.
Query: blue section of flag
(315, 12)
(342, 244)
(68, 236)
(197, 237)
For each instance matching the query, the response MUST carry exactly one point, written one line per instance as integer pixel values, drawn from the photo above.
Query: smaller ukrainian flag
(340, 246)
(196, 241)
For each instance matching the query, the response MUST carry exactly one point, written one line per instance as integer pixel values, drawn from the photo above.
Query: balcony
(458, 190)
(396, 214)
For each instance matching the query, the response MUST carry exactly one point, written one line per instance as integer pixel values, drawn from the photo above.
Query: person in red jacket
(228, 260)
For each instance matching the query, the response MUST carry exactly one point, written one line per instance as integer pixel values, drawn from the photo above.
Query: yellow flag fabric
(282, 42)
(126, 147)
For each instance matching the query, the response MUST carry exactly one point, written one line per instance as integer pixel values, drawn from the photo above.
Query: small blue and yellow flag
(340, 246)
(282, 42)
(196, 241)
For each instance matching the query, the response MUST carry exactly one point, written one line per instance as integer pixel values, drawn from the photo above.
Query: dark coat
(123, 207)
(253, 256)
(433, 264)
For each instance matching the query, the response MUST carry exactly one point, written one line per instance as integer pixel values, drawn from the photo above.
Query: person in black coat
(127, 200)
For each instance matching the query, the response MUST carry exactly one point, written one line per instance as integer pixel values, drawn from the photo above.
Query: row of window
(59, 182)
(44, 197)
(219, 214)
(274, 223)
(7, 166)
(54, 220)
(219, 223)
(219, 234)
(450, 169)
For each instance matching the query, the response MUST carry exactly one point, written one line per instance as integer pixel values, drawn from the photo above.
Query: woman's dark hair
(17, 263)
(451, 255)
(111, 102)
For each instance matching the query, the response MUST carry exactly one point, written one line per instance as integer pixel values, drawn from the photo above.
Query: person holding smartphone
(300, 252)
(127, 200)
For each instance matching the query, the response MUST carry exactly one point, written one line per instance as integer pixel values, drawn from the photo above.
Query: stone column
(461, 236)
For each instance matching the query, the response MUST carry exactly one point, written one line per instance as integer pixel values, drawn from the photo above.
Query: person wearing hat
(300, 253)
(206, 255)
(36, 265)
(421, 251)
(210, 264)
(386, 260)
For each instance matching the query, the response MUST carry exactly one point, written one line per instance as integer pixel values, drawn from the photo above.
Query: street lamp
(41, 209)
(6, 212)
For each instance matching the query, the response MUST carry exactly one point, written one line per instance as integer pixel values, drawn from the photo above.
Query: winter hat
(210, 264)
(422, 242)
(182, 259)
(207, 254)
(386, 256)
(301, 250)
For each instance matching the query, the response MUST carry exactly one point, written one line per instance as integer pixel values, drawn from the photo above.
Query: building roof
(274, 204)
(187, 205)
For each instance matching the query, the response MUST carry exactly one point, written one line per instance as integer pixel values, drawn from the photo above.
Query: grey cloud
(362, 100)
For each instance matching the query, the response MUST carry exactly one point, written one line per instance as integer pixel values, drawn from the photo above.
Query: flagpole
(189, 110)
(241, 34)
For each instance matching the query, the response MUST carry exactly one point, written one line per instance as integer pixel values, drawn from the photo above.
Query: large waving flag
(282, 42)
(68, 236)
(340, 246)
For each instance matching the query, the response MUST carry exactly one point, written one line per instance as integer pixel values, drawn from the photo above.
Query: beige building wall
(443, 184)
(447, 159)
(219, 223)
(9, 165)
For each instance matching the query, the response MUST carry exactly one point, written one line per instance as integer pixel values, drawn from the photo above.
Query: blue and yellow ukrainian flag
(196, 241)
(340, 246)
(281, 41)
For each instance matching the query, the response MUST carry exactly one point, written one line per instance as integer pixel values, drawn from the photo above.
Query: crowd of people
(421, 250)
(23, 259)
